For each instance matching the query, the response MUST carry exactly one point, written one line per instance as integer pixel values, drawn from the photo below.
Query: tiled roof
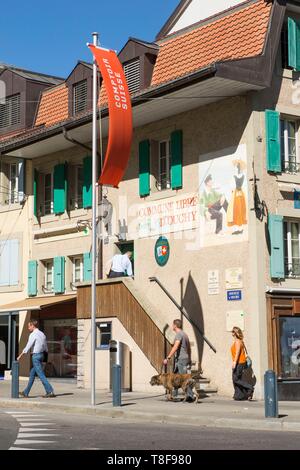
(53, 106)
(238, 35)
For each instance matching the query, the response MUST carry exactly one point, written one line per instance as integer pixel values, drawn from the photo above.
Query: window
(9, 263)
(78, 203)
(164, 165)
(285, 47)
(133, 75)
(77, 269)
(48, 194)
(292, 249)
(80, 97)
(289, 146)
(103, 333)
(13, 183)
(10, 112)
(49, 276)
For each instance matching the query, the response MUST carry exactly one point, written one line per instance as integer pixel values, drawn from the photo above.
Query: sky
(49, 37)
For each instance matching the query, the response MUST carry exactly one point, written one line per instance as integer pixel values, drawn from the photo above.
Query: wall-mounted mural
(223, 197)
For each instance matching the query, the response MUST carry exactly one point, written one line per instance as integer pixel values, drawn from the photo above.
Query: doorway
(123, 247)
(9, 340)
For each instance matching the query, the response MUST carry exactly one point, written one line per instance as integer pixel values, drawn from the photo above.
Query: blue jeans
(37, 370)
(182, 367)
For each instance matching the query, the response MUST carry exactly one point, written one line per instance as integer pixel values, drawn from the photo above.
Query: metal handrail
(183, 311)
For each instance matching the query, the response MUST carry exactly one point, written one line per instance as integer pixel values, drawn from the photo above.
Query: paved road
(37, 430)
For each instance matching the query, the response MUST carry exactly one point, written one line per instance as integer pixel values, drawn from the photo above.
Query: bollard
(271, 399)
(15, 379)
(116, 385)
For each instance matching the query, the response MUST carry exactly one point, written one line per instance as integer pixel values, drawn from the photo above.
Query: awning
(36, 303)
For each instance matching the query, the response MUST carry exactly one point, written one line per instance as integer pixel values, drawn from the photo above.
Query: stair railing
(183, 311)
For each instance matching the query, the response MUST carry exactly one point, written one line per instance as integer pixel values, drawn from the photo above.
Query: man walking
(37, 341)
(182, 351)
(121, 265)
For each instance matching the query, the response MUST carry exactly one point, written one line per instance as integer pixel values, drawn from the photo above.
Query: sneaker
(49, 395)
(22, 394)
(190, 399)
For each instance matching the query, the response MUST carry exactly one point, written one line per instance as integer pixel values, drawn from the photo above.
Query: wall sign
(235, 318)
(234, 295)
(162, 251)
(213, 282)
(234, 278)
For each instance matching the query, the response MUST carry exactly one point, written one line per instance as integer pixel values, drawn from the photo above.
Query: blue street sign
(234, 295)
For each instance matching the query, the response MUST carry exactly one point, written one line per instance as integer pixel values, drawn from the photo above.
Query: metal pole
(116, 385)
(15, 379)
(94, 235)
(271, 395)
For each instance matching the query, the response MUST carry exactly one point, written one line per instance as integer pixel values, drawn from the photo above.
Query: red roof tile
(53, 107)
(238, 35)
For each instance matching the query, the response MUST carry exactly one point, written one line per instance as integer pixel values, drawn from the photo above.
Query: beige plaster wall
(142, 370)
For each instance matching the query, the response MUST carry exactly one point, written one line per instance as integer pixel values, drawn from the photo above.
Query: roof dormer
(22, 92)
(138, 59)
(80, 88)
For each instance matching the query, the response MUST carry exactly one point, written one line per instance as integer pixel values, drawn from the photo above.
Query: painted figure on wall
(211, 204)
(223, 192)
(236, 214)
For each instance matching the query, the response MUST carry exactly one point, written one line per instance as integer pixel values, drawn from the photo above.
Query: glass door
(9, 334)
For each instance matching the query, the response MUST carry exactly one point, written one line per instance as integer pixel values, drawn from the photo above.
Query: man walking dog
(182, 351)
(37, 341)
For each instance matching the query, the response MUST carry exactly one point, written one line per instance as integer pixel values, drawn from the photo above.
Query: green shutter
(176, 159)
(32, 278)
(60, 196)
(59, 274)
(144, 168)
(87, 266)
(273, 141)
(35, 192)
(294, 44)
(87, 183)
(275, 224)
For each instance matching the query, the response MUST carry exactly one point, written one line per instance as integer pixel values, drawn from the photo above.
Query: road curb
(270, 424)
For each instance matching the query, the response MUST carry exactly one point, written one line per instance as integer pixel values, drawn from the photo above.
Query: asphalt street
(48, 431)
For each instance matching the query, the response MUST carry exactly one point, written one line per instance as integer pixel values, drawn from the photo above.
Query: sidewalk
(213, 411)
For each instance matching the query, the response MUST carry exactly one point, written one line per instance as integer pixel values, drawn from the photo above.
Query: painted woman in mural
(237, 212)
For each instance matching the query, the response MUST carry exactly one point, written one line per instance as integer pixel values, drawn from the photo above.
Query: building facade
(209, 203)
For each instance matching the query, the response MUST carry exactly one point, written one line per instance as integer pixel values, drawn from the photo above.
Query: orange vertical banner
(120, 116)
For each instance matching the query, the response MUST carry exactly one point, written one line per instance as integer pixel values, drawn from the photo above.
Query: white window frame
(74, 259)
(168, 165)
(289, 255)
(14, 197)
(46, 264)
(51, 201)
(77, 195)
(286, 163)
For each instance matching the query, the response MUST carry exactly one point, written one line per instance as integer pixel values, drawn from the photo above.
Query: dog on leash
(175, 381)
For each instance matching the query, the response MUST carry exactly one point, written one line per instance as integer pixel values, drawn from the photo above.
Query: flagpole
(94, 235)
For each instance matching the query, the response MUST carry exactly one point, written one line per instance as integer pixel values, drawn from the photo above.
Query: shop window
(289, 332)
(49, 276)
(103, 332)
(289, 146)
(292, 249)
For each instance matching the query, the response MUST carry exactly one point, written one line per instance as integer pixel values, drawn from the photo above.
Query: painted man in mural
(211, 204)
(236, 212)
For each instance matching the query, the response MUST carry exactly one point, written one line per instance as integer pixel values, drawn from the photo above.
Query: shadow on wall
(191, 302)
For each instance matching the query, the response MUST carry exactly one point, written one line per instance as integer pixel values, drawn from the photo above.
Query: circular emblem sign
(162, 251)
